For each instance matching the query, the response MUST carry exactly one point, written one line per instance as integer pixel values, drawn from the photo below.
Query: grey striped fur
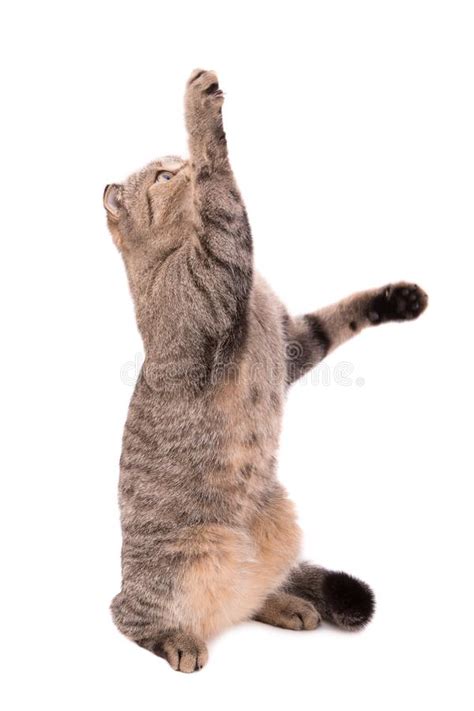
(209, 535)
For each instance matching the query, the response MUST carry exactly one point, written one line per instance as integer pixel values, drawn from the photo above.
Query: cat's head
(149, 212)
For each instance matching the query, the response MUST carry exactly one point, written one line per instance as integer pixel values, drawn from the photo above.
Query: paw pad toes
(398, 302)
(185, 653)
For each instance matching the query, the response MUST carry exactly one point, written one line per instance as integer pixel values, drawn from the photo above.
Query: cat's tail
(339, 598)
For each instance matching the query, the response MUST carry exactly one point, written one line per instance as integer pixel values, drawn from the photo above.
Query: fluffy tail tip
(350, 601)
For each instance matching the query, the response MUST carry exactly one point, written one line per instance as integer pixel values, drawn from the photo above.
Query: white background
(350, 127)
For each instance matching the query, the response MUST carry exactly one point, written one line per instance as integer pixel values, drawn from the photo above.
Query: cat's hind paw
(289, 612)
(184, 652)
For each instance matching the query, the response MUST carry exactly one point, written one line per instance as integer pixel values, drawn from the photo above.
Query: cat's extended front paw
(397, 302)
(203, 102)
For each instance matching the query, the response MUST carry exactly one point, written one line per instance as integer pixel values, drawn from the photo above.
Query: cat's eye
(163, 176)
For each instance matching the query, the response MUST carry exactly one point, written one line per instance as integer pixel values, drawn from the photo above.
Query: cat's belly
(202, 578)
(230, 582)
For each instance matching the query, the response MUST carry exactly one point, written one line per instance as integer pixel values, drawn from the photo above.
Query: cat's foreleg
(312, 336)
(220, 263)
(206, 136)
(220, 216)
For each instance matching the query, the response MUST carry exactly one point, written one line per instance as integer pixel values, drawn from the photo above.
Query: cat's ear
(112, 200)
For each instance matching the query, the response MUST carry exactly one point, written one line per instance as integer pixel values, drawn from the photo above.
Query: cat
(209, 535)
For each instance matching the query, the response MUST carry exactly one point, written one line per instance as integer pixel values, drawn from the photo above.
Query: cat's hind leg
(183, 650)
(284, 610)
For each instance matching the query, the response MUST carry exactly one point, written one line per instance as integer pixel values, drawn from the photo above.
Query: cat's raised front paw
(204, 82)
(203, 101)
(397, 302)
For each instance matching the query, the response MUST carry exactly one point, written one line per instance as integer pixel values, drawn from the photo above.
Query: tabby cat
(209, 535)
